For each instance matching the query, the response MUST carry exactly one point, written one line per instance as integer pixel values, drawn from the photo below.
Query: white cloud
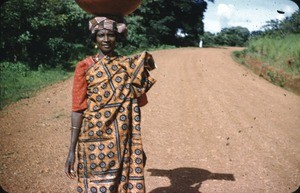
(226, 11)
(225, 14)
(252, 14)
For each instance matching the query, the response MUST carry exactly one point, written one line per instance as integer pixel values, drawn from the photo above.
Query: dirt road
(211, 126)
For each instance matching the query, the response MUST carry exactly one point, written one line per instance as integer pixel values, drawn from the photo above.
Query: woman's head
(105, 32)
(106, 40)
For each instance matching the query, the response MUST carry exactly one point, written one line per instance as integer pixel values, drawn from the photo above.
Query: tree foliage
(161, 20)
(233, 36)
(239, 36)
(52, 32)
(290, 25)
(42, 32)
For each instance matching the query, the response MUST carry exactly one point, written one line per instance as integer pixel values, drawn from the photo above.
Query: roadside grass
(17, 81)
(282, 53)
(277, 59)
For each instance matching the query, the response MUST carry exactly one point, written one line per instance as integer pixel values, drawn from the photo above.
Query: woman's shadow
(186, 180)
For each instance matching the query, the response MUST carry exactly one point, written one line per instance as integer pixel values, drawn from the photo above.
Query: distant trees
(233, 36)
(166, 22)
(239, 36)
(288, 25)
(209, 39)
(279, 29)
(52, 32)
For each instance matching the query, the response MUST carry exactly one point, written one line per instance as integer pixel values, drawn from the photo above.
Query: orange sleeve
(79, 91)
(142, 100)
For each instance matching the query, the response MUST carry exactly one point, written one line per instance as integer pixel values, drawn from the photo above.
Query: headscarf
(98, 23)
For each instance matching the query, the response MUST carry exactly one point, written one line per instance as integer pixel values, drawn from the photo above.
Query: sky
(251, 14)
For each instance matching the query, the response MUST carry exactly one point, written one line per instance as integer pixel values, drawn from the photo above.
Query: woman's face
(106, 40)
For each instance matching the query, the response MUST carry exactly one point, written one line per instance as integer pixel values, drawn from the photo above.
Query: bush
(282, 53)
(50, 32)
(18, 82)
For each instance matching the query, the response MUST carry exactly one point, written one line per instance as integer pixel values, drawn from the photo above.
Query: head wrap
(98, 23)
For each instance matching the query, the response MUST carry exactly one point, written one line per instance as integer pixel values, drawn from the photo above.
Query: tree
(277, 28)
(161, 20)
(257, 33)
(291, 24)
(52, 32)
(209, 39)
(272, 25)
(233, 36)
(48, 32)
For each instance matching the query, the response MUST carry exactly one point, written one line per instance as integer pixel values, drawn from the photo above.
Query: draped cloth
(110, 151)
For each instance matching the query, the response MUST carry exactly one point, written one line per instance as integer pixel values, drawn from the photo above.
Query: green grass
(276, 59)
(17, 81)
(280, 52)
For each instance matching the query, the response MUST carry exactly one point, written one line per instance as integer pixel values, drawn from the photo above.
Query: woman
(108, 91)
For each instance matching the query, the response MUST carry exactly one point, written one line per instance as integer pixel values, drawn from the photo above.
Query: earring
(96, 46)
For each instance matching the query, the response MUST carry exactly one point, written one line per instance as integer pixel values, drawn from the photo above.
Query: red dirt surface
(211, 125)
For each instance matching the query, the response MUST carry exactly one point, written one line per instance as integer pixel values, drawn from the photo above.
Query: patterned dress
(110, 152)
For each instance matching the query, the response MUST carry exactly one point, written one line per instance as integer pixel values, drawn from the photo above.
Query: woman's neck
(100, 55)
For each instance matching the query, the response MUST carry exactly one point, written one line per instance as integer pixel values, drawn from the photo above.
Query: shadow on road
(186, 179)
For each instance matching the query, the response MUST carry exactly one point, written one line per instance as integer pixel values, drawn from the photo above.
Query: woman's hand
(69, 166)
(75, 129)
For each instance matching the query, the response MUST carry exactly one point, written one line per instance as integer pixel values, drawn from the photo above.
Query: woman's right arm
(79, 104)
(76, 121)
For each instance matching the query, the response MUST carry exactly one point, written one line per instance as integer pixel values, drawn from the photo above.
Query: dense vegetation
(50, 32)
(277, 49)
(18, 81)
(55, 32)
(42, 39)
(239, 36)
(232, 36)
